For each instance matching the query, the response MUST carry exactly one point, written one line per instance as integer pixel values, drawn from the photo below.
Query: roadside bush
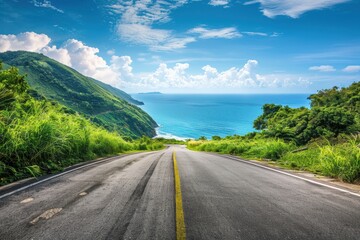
(341, 161)
(259, 148)
(303, 160)
(103, 143)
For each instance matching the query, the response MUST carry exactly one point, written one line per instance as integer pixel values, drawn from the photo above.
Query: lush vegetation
(327, 135)
(38, 136)
(104, 105)
(332, 112)
(250, 148)
(340, 160)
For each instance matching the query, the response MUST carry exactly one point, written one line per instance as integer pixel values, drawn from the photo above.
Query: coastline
(160, 134)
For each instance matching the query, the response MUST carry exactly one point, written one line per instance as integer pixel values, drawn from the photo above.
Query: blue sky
(199, 46)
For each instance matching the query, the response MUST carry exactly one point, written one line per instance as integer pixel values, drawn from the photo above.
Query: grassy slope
(85, 95)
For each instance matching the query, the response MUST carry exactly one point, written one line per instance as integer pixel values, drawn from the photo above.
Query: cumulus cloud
(323, 68)
(28, 41)
(122, 65)
(219, 2)
(352, 69)
(60, 54)
(205, 33)
(85, 60)
(46, 4)
(292, 8)
(177, 77)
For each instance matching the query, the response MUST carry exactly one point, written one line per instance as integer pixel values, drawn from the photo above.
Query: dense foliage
(332, 112)
(103, 104)
(38, 136)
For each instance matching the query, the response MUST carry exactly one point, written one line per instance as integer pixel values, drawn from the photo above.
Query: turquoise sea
(195, 115)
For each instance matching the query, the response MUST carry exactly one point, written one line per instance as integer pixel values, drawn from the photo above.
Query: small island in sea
(150, 93)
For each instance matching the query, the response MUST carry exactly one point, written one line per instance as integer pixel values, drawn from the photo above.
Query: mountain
(102, 103)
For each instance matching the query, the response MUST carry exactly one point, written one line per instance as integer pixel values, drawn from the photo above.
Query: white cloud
(122, 66)
(352, 69)
(292, 8)
(275, 34)
(62, 55)
(142, 34)
(323, 68)
(228, 33)
(46, 4)
(234, 78)
(255, 34)
(110, 52)
(145, 12)
(156, 39)
(85, 60)
(137, 17)
(219, 2)
(173, 43)
(28, 41)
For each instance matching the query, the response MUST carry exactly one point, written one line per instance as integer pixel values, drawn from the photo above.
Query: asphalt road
(133, 197)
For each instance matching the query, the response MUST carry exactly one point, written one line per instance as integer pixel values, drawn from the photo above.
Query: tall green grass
(339, 160)
(259, 148)
(307, 160)
(38, 136)
(342, 161)
(42, 139)
(45, 140)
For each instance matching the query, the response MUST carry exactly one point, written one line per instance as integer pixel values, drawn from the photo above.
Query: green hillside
(103, 104)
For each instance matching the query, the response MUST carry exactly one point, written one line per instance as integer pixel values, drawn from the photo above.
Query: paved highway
(212, 197)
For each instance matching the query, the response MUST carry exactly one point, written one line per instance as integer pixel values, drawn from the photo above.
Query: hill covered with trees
(102, 104)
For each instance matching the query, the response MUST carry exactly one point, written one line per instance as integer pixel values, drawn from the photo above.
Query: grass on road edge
(340, 161)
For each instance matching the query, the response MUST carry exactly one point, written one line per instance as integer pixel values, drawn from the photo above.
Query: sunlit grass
(341, 160)
(40, 138)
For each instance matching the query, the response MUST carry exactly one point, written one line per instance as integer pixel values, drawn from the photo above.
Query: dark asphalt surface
(132, 197)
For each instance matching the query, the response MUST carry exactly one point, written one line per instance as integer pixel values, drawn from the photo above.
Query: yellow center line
(179, 212)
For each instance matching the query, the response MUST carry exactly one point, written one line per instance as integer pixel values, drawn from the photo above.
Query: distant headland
(150, 93)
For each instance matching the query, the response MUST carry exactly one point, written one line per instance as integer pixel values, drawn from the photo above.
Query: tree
(202, 138)
(216, 138)
(332, 112)
(269, 110)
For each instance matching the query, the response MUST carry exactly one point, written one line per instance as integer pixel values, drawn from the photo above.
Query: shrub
(341, 161)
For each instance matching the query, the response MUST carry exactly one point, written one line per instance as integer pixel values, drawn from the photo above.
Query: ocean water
(195, 115)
